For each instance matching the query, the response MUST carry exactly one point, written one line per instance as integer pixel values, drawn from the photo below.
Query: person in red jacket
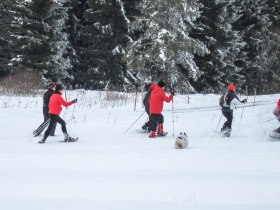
(55, 108)
(156, 104)
(276, 112)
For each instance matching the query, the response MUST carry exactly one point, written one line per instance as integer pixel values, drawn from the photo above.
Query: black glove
(75, 100)
(244, 101)
(172, 93)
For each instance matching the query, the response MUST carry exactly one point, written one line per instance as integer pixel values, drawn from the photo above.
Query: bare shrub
(23, 83)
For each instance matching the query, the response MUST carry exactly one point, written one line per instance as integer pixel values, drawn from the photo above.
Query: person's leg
(146, 124)
(225, 113)
(63, 127)
(53, 130)
(152, 125)
(160, 124)
(53, 119)
(230, 118)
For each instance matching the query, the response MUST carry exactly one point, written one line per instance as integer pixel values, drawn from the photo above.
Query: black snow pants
(53, 120)
(154, 120)
(228, 113)
(46, 117)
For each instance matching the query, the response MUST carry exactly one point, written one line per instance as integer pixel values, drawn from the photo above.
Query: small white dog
(181, 141)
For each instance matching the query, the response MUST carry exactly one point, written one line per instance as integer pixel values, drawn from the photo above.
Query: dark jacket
(146, 101)
(229, 97)
(46, 100)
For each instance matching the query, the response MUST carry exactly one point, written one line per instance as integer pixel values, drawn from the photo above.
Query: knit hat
(231, 87)
(51, 85)
(58, 88)
(161, 84)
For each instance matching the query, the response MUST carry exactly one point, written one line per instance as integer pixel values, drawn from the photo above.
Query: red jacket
(55, 103)
(157, 98)
(278, 104)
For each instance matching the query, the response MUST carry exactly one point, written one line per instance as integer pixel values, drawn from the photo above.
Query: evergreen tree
(164, 50)
(215, 28)
(252, 24)
(60, 63)
(6, 18)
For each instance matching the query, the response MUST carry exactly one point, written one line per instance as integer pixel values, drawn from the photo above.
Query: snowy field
(109, 170)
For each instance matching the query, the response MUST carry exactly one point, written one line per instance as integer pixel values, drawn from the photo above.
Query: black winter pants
(53, 120)
(46, 117)
(154, 120)
(229, 115)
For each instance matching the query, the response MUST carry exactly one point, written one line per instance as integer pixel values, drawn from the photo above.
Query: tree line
(193, 45)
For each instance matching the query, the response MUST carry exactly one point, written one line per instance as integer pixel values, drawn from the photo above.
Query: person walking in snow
(227, 108)
(156, 104)
(276, 112)
(46, 100)
(146, 105)
(55, 103)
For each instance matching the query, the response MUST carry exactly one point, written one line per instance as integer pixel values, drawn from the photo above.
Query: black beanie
(58, 88)
(161, 84)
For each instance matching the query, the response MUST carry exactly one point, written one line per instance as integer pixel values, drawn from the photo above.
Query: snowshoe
(225, 133)
(71, 139)
(142, 131)
(162, 134)
(274, 135)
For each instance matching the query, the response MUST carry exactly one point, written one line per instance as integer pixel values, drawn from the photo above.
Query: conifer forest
(193, 45)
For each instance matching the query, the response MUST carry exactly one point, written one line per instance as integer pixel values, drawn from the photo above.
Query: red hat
(231, 87)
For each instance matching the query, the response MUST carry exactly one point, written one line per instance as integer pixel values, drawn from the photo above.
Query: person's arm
(166, 98)
(243, 101)
(64, 103)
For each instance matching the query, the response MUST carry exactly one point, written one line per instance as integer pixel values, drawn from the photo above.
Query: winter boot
(66, 136)
(145, 126)
(160, 131)
(42, 141)
(277, 130)
(152, 134)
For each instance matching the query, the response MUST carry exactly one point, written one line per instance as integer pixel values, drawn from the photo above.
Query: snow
(107, 169)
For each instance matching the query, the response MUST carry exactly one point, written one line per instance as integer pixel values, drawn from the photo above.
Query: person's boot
(66, 136)
(277, 130)
(42, 141)
(145, 126)
(152, 134)
(160, 131)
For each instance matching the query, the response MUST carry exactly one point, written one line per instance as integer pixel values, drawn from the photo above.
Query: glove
(172, 93)
(244, 101)
(75, 100)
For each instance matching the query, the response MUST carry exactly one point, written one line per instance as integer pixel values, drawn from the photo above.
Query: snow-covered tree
(165, 50)
(253, 23)
(60, 63)
(215, 28)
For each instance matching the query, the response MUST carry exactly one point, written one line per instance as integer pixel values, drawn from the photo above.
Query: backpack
(222, 100)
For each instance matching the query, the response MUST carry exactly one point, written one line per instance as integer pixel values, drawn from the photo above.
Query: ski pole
(219, 123)
(243, 109)
(173, 127)
(267, 120)
(134, 122)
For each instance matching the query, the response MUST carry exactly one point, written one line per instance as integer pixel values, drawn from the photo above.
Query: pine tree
(6, 18)
(60, 63)
(215, 28)
(164, 50)
(252, 24)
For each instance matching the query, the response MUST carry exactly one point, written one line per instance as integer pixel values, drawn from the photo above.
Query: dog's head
(183, 134)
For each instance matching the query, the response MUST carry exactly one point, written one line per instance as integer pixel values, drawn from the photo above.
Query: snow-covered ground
(107, 169)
